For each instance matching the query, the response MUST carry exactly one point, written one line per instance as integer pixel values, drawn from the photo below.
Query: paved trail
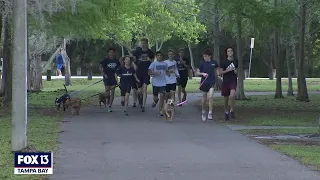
(108, 146)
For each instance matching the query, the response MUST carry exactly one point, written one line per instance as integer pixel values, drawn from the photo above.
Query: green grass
(42, 134)
(309, 155)
(267, 111)
(193, 85)
(280, 131)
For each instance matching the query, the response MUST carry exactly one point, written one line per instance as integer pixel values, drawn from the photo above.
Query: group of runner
(135, 72)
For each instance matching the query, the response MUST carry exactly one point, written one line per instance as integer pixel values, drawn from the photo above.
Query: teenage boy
(158, 70)
(171, 79)
(229, 68)
(108, 68)
(207, 70)
(183, 64)
(142, 64)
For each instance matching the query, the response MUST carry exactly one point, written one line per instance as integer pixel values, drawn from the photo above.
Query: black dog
(62, 100)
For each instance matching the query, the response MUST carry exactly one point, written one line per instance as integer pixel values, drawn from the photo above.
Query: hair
(171, 50)
(227, 50)
(158, 52)
(207, 52)
(112, 49)
(145, 40)
(121, 60)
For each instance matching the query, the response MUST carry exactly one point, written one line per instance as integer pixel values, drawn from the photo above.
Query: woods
(286, 31)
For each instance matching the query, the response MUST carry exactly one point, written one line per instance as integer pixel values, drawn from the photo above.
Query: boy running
(183, 64)
(229, 84)
(108, 68)
(143, 63)
(158, 70)
(127, 75)
(172, 77)
(207, 70)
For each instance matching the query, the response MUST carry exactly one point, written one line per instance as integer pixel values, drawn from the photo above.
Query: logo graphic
(112, 65)
(33, 163)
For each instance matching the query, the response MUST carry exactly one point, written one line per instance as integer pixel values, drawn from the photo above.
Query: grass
(43, 128)
(279, 131)
(309, 155)
(267, 111)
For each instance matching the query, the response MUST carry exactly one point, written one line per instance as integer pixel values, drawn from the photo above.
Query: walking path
(108, 146)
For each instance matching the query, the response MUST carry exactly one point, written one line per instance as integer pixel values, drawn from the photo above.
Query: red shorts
(227, 87)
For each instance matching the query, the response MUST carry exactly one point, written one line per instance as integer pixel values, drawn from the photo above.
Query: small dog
(75, 104)
(169, 108)
(62, 100)
(103, 97)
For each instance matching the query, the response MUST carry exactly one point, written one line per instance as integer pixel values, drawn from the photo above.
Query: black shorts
(182, 81)
(125, 89)
(110, 81)
(143, 80)
(206, 87)
(158, 90)
(134, 85)
(171, 87)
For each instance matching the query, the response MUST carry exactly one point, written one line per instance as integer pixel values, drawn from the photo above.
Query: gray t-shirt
(159, 80)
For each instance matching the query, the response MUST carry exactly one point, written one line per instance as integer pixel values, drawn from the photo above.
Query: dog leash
(77, 92)
(99, 93)
(193, 92)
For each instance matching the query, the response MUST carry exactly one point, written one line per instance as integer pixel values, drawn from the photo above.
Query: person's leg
(183, 88)
(210, 94)
(155, 92)
(173, 92)
(59, 67)
(161, 92)
(225, 92)
(123, 94)
(127, 95)
(145, 94)
(232, 99)
(112, 90)
(179, 93)
(205, 89)
(134, 97)
(107, 90)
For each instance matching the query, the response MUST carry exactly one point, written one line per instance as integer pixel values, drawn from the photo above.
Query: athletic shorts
(182, 81)
(110, 81)
(134, 85)
(125, 89)
(171, 87)
(59, 66)
(158, 90)
(206, 87)
(227, 87)
(143, 80)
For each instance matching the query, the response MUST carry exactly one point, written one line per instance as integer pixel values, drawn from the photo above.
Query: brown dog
(169, 109)
(75, 104)
(103, 97)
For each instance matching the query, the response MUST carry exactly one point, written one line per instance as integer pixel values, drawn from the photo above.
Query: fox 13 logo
(33, 163)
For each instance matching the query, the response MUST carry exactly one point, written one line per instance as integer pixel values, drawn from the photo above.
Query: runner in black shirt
(108, 68)
(229, 68)
(183, 64)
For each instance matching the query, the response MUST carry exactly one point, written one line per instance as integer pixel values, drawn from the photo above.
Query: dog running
(74, 104)
(169, 108)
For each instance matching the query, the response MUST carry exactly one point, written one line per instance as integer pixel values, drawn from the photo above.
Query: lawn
(265, 110)
(279, 131)
(43, 128)
(309, 155)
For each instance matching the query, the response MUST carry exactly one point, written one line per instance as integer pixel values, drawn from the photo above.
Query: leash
(193, 92)
(77, 92)
(99, 93)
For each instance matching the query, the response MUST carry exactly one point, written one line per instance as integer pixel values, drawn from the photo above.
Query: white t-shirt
(172, 65)
(159, 80)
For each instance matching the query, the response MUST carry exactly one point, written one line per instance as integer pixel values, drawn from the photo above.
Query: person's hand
(204, 74)
(105, 76)
(157, 73)
(230, 69)
(235, 71)
(171, 71)
(138, 81)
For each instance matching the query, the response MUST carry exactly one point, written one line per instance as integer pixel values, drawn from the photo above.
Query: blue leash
(77, 92)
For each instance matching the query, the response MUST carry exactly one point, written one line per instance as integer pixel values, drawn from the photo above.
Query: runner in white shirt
(173, 75)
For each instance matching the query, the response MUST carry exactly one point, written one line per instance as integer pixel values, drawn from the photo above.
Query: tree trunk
(216, 43)
(295, 59)
(122, 51)
(240, 85)
(90, 73)
(288, 58)
(278, 60)
(191, 71)
(35, 74)
(302, 85)
(7, 65)
(67, 65)
(271, 58)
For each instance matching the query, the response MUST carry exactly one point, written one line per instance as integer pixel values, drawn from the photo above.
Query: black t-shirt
(126, 75)
(209, 68)
(183, 71)
(110, 66)
(142, 61)
(229, 76)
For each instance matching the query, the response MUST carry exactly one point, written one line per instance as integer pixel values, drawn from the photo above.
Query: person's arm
(187, 63)
(151, 70)
(176, 71)
(217, 69)
(133, 63)
(236, 66)
(199, 72)
(101, 70)
(222, 72)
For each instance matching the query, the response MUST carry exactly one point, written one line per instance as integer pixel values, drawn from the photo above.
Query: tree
(7, 63)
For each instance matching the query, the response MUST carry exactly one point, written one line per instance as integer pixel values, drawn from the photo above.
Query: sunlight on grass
(309, 155)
